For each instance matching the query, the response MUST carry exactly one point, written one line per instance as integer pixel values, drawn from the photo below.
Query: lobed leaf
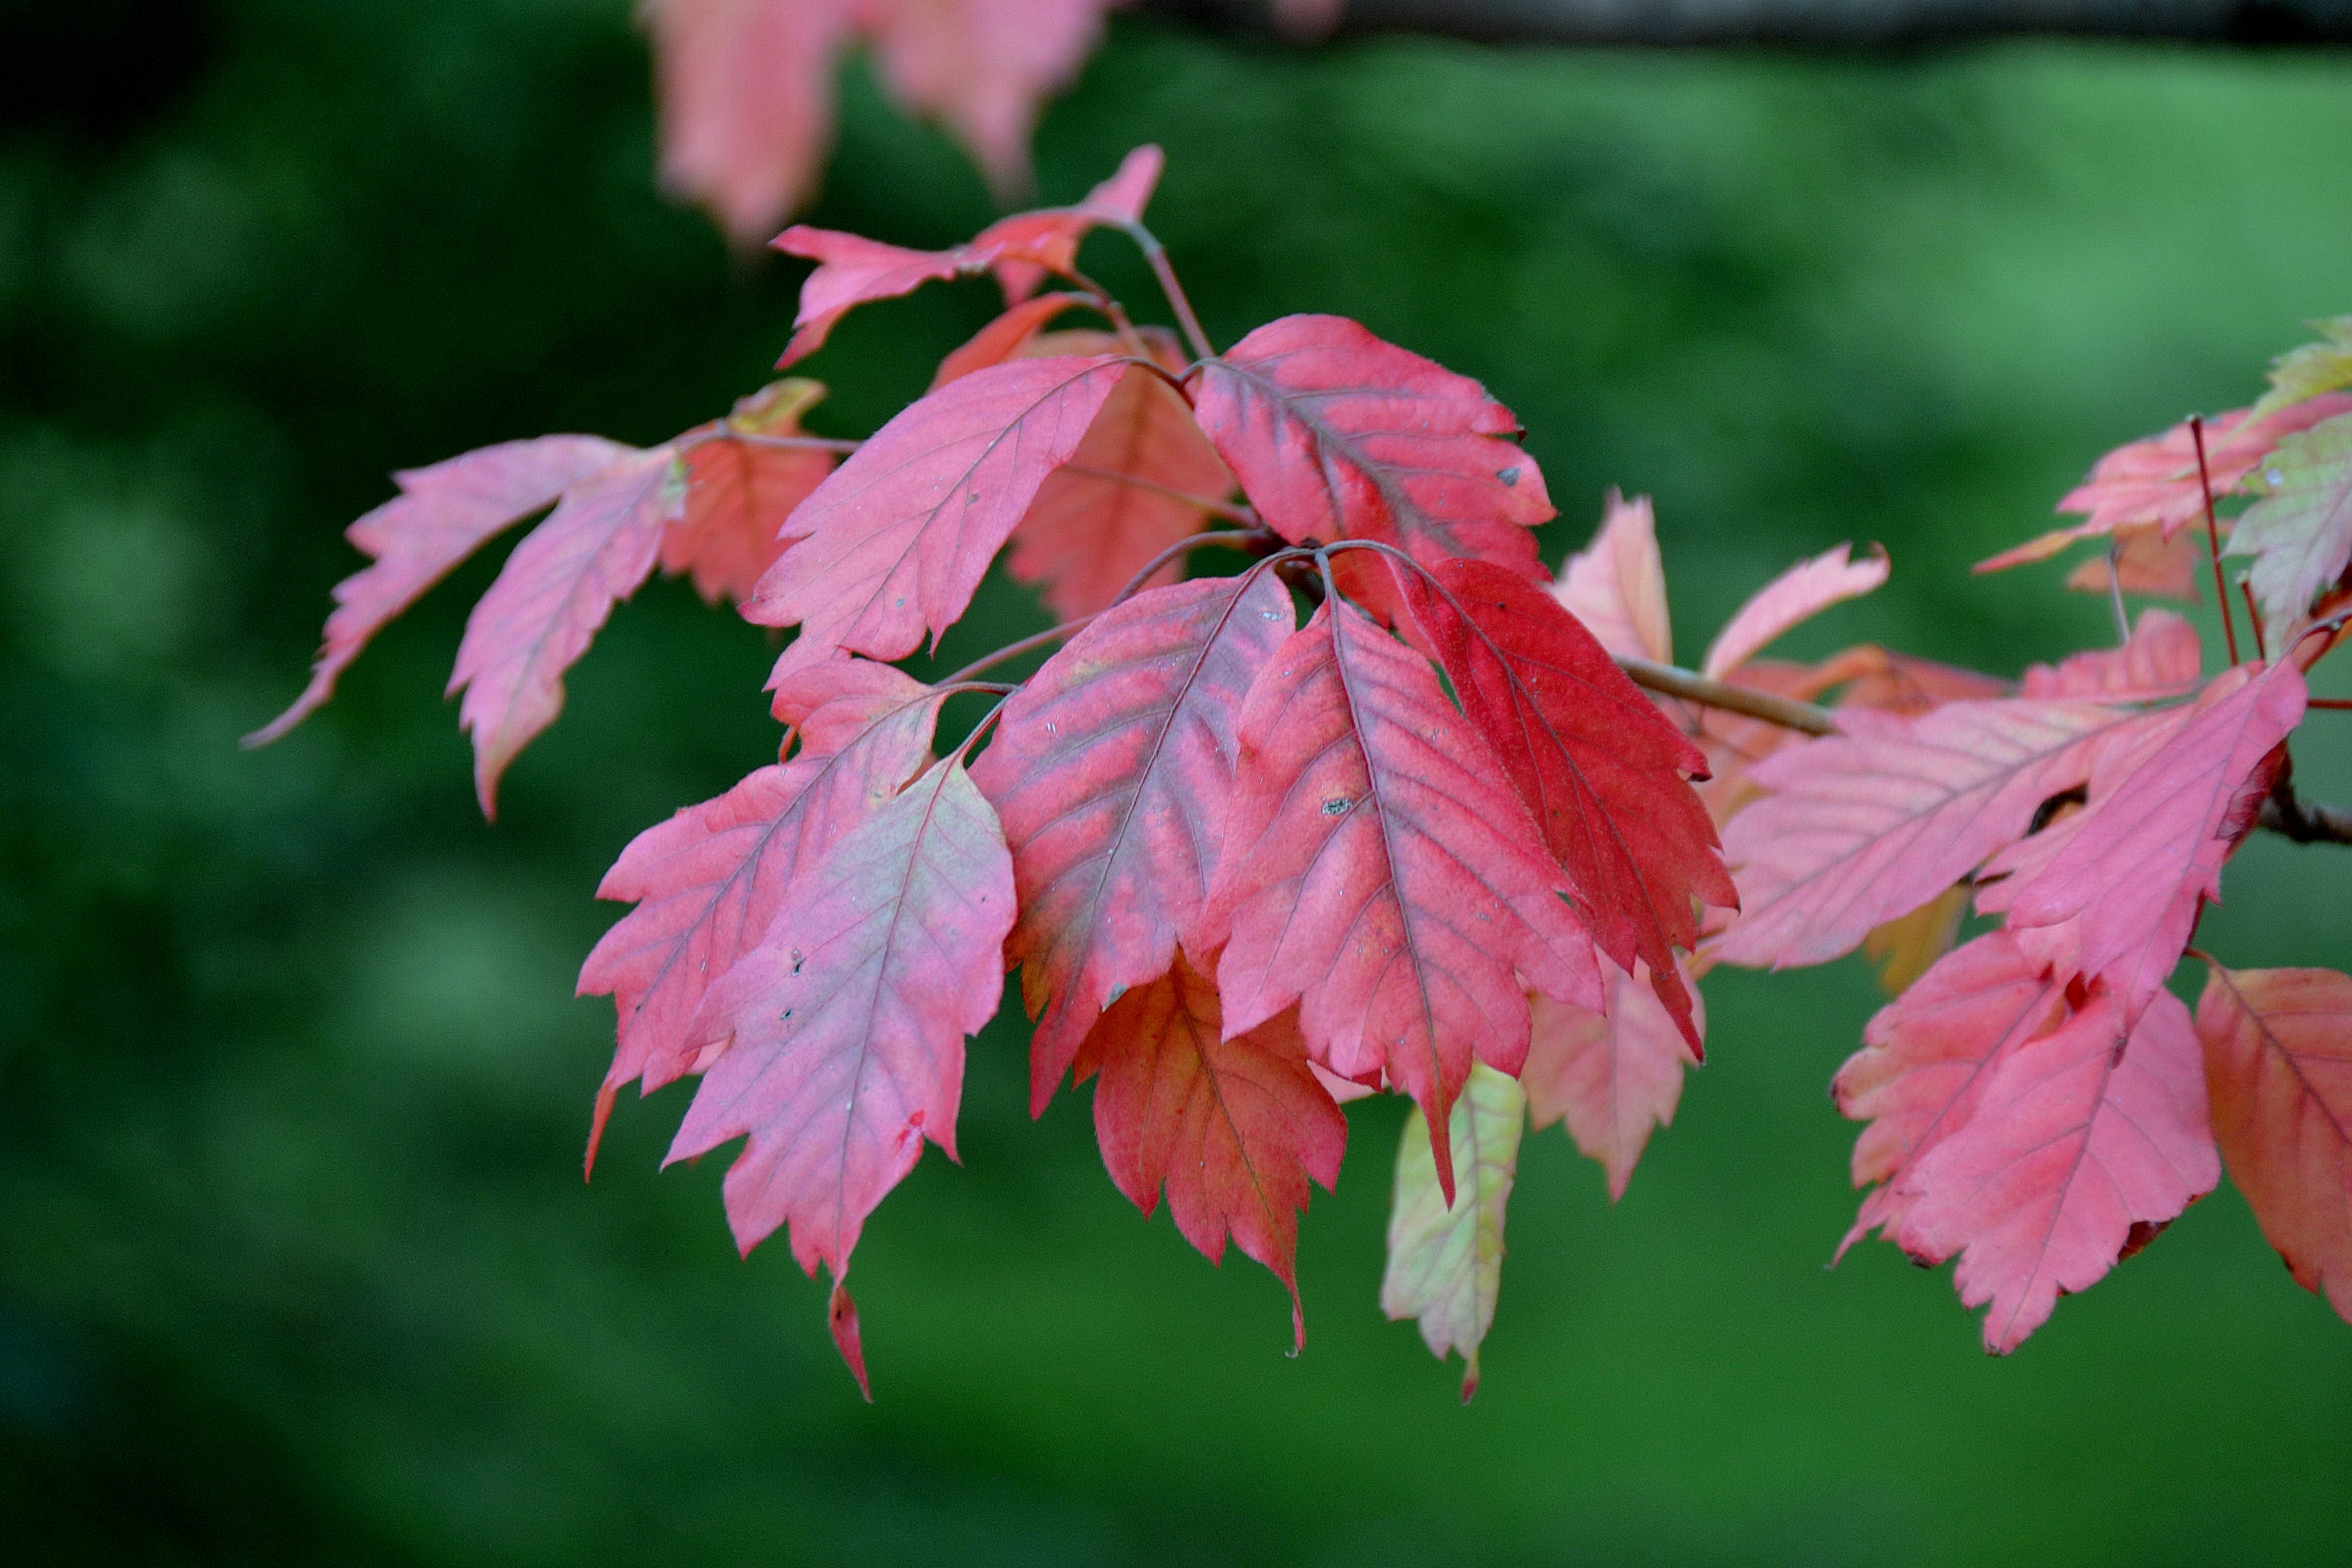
(1616, 585)
(2163, 659)
(2278, 1066)
(1795, 596)
(1446, 1243)
(2303, 374)
(2300, 533)
(1113, 769)
(739, 492)
(1233, 1128)
(1379, 871)
(1612, 1073)
(2084, 1142)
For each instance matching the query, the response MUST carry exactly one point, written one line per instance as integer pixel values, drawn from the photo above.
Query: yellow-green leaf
(1445, 1263)
(2315, 368)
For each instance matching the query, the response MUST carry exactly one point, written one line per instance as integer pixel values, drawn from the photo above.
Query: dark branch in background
(2305, 821)
(1814, 23)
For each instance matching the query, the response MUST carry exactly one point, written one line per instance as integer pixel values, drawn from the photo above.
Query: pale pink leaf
(1795, 596)
(1617, 584)
(2162, 659)
(1610, 1073)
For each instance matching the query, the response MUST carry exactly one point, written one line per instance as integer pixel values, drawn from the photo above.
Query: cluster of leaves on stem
(1435, 840)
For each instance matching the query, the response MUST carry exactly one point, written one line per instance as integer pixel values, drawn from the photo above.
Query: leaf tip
(841, 1318)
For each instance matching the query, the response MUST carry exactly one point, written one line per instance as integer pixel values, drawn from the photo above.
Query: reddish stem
(1157, 254)
(2255, 619)
(2213, 533)
(1240, 514)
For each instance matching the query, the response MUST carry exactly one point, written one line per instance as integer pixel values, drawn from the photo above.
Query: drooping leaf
(745, 90)
(841, 1037)
(1795, 596)
(739, 492)
(2278, 1064)
(708, 882)
(2083, 1143)
(2119, 900)
(442, 515)
(2163, 659)
(852, 270)
(550, 598)
(2303, 374)
(1612, 1074)
(895, 541)
(1123, 498)
(1335, 434)
(1378, 871)
(1617, 584)
(1445, 1228)
(2155, 483)
(1112, 767)
(1597, 764)
(2300, 532)
(1926, 1060)
(1232, 1128)
(1868, 825)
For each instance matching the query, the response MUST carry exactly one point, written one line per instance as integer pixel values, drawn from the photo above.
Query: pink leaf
(1379, 871)
(1925, 1059)
(442, 515)
(739, 492)
(1617, 584)
(842, 1034)
(895, 541)
(1003, 338)
(1868, 825)
(2084, 1141)
(2150, 564)
(2120, 899)
(708, 881)
(1335, 434)
(2162, 659)
(1612, 1073)
(1113, 767)
(550, 600)
(1797, 595)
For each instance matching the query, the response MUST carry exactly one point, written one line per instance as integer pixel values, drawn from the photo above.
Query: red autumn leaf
(442, 515)
(1610, 1073)
(1597, 764)
(1335, 434)
(2278, 1064)
(2162, 659)
(1870, 824)
(739, 492)
(1232, 1128)
(895, 541)
(554, 593)
(2082, 1143)
(2120, 899)
(852, 270)
(841, 1035)
(1617, 584)
(1379, 871)
(1795, 596)
(1005, 337)
(1125, 496)
(1112, 768)
(1925, 1062)
(2154, 483)
(708, 882)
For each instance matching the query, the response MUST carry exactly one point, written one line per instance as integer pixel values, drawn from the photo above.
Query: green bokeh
(295, 1262)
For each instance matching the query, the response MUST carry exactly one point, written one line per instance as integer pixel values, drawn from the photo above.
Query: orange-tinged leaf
(1379, 871)
(739, 492)
(841, 1037)
(2278, 1065)
(1868, 825)
(2163, 659)
(1599, 768)
(2119, 900)
(708, 882)
(1233, 1128)
(550, 598)
(1795, 596)
(1335, 434)
(2082, 1143)
(1612, 1073)
(895, 542)
(1006, 337)
(1113, 767)
(2148, 562)
(1925, 1059)
(1446, 1226)
(1617, 584)
(1907, 946)
(442, 515)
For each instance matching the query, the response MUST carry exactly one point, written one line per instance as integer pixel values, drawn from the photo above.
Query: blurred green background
(295, 1260)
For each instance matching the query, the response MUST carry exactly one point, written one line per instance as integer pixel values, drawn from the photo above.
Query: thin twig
(2254, 618)
(1014, 650)
(1692, 687)
(2304, 821)
(1230, 538)
(2213, 533)
(2115, 589)
(1157, 254)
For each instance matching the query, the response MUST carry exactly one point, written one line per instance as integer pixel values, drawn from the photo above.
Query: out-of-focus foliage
(294, 1259)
